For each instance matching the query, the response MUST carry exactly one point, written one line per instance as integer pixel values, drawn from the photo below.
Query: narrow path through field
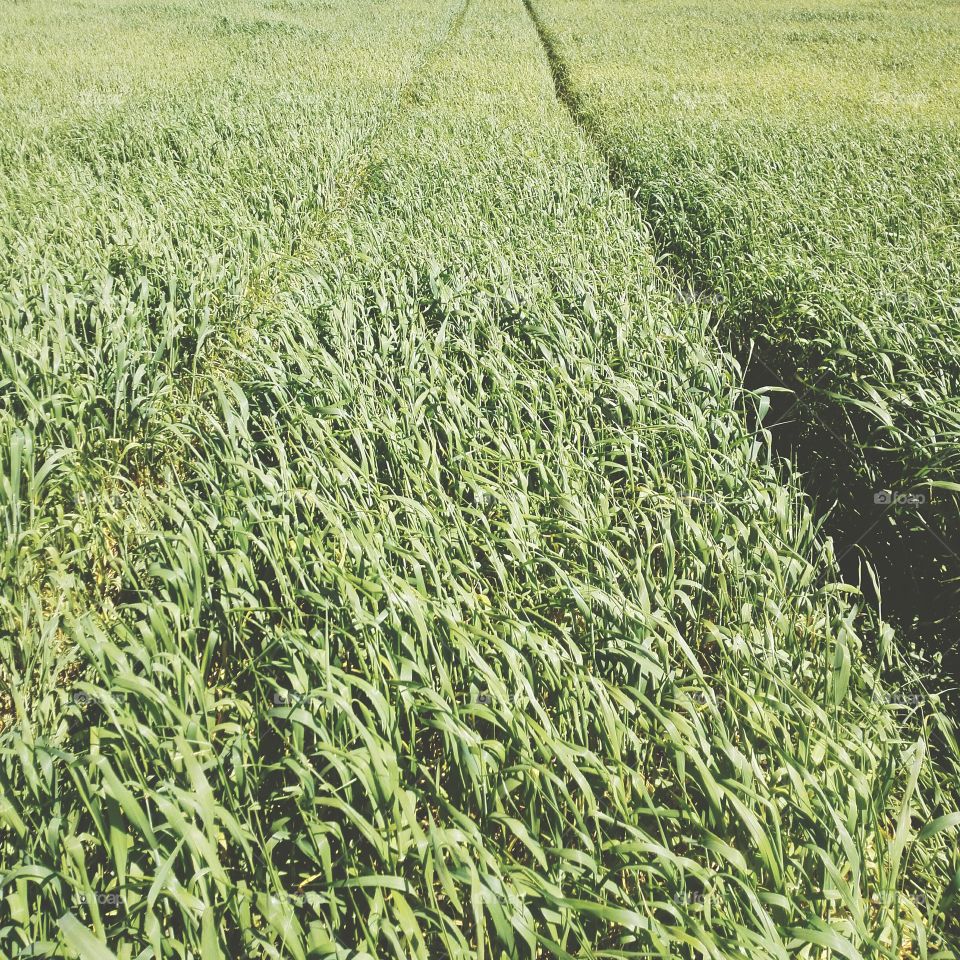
(356, 174)
(909, 560)
(271, 278)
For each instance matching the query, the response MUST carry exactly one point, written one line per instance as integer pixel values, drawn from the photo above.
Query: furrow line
(909, 561)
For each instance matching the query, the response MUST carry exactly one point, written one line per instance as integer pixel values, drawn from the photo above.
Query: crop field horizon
(478, 479)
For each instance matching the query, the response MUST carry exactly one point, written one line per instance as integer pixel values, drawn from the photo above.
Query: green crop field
(402, 554)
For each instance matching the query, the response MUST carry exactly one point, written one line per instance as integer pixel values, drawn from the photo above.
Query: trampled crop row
(798, 167)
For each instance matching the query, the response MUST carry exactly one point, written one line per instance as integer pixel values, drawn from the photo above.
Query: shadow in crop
(908, 537)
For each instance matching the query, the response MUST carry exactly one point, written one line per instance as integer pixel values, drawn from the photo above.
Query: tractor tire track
(910, 561)
(357, 172)
(266, 294)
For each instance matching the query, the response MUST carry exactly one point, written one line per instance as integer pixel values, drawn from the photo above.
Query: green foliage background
(391, 569)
